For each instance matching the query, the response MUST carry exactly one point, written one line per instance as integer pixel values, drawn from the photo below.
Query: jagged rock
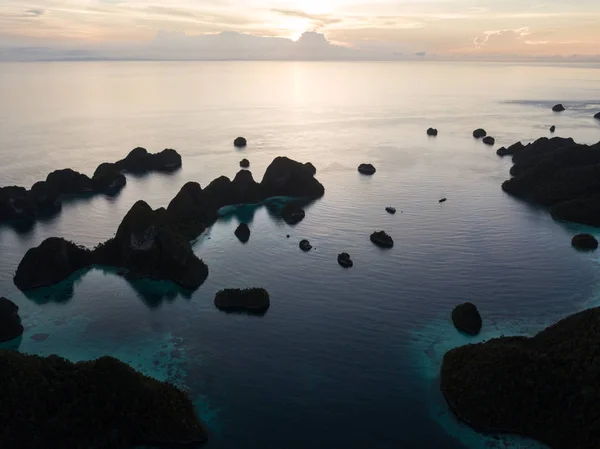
(244, 189)
(140, 161)
(54, 260)
(292, 213)
(479, 133)
(286, 177)
(191, 211)
(558, 108)
(488, 140)
(108, 178)
(243, 232)
(382, 239)
(16, 204)
(310, 168)
(552, 128)
(344, 260)
(45, 196)
(240, 142)
(390, 210)
(543, 388)
(252, 300)
(305, 245)
(102, 403)
(466, 318)
(511, 150)
(10, 321)
(167, 160)
(244, 163)
(366, 169)
(585, 242)
(69, 182)
(432, 132)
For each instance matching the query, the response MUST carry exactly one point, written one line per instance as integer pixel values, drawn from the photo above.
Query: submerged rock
(240, 142)
(585, 242)
(366, 169)
(432, 132)
(54, 260)
(558, 108)
(489, 140)
(552, 128)
(10, 321)
(382, 239)
(466, 318)
(253, 300)
(69, 182)
(390, 210)
(244, 163)
(344, 260)
(101, 403)
(305, 245)
(243, 232)
(292, 213)
(544, 387)
(479, 133)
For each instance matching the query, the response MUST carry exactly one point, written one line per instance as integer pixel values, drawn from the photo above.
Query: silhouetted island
(292, 213)
(560, 174)
(240, 142)
(156, 243)
(10, 321)
(18, 203)
(552, 128)
(344, 260)
(466, 318)
(432, 132)
(584, 241)
(366, 169)
(544, 387)
(479, 133)
(382, 239)
(252, 300)
(489, 140)
(558, 108)
(242, 232)
(51, 402)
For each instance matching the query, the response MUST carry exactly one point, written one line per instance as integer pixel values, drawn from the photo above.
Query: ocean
(342, 358)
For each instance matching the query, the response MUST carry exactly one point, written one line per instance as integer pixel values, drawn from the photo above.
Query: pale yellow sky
(451, 27)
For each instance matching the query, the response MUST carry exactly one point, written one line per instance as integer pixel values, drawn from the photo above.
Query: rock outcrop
(558, 108)
(432, 132)
(544, 387)
(489, 140)
(292, 213)
(466, 318)
(511, 150)
(585, 242)
(10, 321)
(101, 403)
(70, 182)
(251, 300)
(240, 142)
(366, 169)
(54, 260)
(286, 177)
(305, 245)
(552, 128)
(390, 210)
(344, 260)
(139, 160)
(46, 197)
(244, 163)
(559, 174)
(382, 239)
(479, 133)
(242, 232)
(108, 178)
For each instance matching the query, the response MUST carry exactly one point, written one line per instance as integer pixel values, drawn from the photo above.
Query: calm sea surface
(343, 358)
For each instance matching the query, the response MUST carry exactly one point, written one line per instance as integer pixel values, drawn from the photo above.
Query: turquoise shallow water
(342, 356)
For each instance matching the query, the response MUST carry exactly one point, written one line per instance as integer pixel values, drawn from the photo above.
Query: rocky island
(252, 300)
(544, 387)
(156, 243)
(559, 174)
(10, 321)
(18, 203)
(101, 403)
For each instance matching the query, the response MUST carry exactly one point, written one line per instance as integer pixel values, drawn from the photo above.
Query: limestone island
(10, 321)
(44, 197)
(466, 318)
(251, 300)
(51, 402)
(156, 243)
(382, 239)
(559, 174)
(544, 387)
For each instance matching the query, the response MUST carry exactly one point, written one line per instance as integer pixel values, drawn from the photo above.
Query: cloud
(501, 38)
(318, 21)
(33, 13)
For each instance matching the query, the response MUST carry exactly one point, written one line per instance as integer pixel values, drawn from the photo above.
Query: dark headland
(156, 243)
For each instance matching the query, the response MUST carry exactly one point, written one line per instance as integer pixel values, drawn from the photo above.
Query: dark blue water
(342, 357)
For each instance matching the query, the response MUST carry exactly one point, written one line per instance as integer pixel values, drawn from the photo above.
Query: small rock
(244, 163)
(584, 241)
(382, 239)
(242, 233)
(432, 132)
(390, 210)
(287, 236)
(558, 108)
(305, 245)
(366, 169)
(240, 142)
(479, 133)
(489, 140)
(466, 318)
(292, 213)
(552, 128)
(443, 200)
(344, 260)
(597, 116)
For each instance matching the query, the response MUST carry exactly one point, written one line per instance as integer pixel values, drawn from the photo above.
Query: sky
(350, 28)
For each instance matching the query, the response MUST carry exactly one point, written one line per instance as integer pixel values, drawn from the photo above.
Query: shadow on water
(60, 293)
(21, 227)
(244, 213)
(257, 314)
(155, 293)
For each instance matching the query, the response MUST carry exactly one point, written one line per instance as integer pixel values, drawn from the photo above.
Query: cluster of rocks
(481, 133)
(44, 197)
(156, 243)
